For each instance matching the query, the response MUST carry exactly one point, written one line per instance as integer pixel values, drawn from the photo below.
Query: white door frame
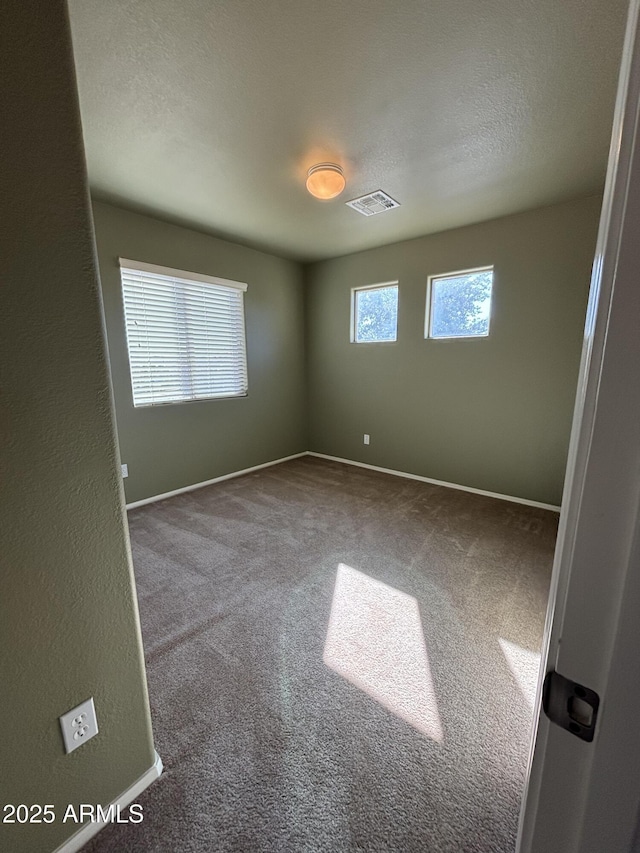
(585, 797)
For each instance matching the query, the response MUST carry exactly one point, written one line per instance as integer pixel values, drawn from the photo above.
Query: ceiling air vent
(372, 203)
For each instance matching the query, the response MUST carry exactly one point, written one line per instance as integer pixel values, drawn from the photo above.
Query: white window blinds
(185, 334)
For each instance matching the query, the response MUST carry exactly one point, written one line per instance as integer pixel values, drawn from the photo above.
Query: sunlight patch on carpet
(375, 641)
(524, 666)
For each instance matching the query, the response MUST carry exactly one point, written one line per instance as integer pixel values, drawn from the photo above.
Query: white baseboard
(85, 833)
(496, 495)
(214, 480)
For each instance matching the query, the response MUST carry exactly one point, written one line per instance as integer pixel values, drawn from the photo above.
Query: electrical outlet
(366, 438)
(79, 725)
(125, 470)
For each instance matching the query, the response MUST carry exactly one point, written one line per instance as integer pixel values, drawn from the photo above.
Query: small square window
(374, 314)
(459, 304)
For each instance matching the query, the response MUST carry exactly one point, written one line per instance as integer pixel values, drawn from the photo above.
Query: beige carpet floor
(338, 660)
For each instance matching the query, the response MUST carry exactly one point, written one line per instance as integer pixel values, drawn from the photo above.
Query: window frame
(196, 278)
(428, 320)
(353, 321)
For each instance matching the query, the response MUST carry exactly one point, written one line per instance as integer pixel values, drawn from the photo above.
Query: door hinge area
(570, 705)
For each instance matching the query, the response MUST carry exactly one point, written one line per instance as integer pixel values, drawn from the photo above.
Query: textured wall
(491, 413)
(167, 447)
(68, 621)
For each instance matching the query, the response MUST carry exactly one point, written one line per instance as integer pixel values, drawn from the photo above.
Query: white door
(586, 796)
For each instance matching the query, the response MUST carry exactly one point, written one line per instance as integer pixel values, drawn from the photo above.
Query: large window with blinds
(185, 334)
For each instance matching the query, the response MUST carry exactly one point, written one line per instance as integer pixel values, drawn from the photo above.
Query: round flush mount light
(325, 180)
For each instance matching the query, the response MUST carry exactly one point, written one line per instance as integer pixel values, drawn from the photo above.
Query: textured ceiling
(209, 112)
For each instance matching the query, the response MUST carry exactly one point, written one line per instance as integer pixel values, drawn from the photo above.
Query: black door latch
(570, 705)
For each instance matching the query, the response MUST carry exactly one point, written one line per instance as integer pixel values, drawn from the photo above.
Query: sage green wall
(491, 413)
(68, 622)
(167, 447)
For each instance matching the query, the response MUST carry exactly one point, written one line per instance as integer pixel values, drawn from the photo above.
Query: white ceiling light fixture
(325, 180)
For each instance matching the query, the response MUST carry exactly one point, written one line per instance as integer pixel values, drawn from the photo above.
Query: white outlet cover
(125, 469)
(79, 725)
(366, 438)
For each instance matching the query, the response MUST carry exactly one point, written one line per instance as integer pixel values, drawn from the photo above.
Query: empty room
(299, 356)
